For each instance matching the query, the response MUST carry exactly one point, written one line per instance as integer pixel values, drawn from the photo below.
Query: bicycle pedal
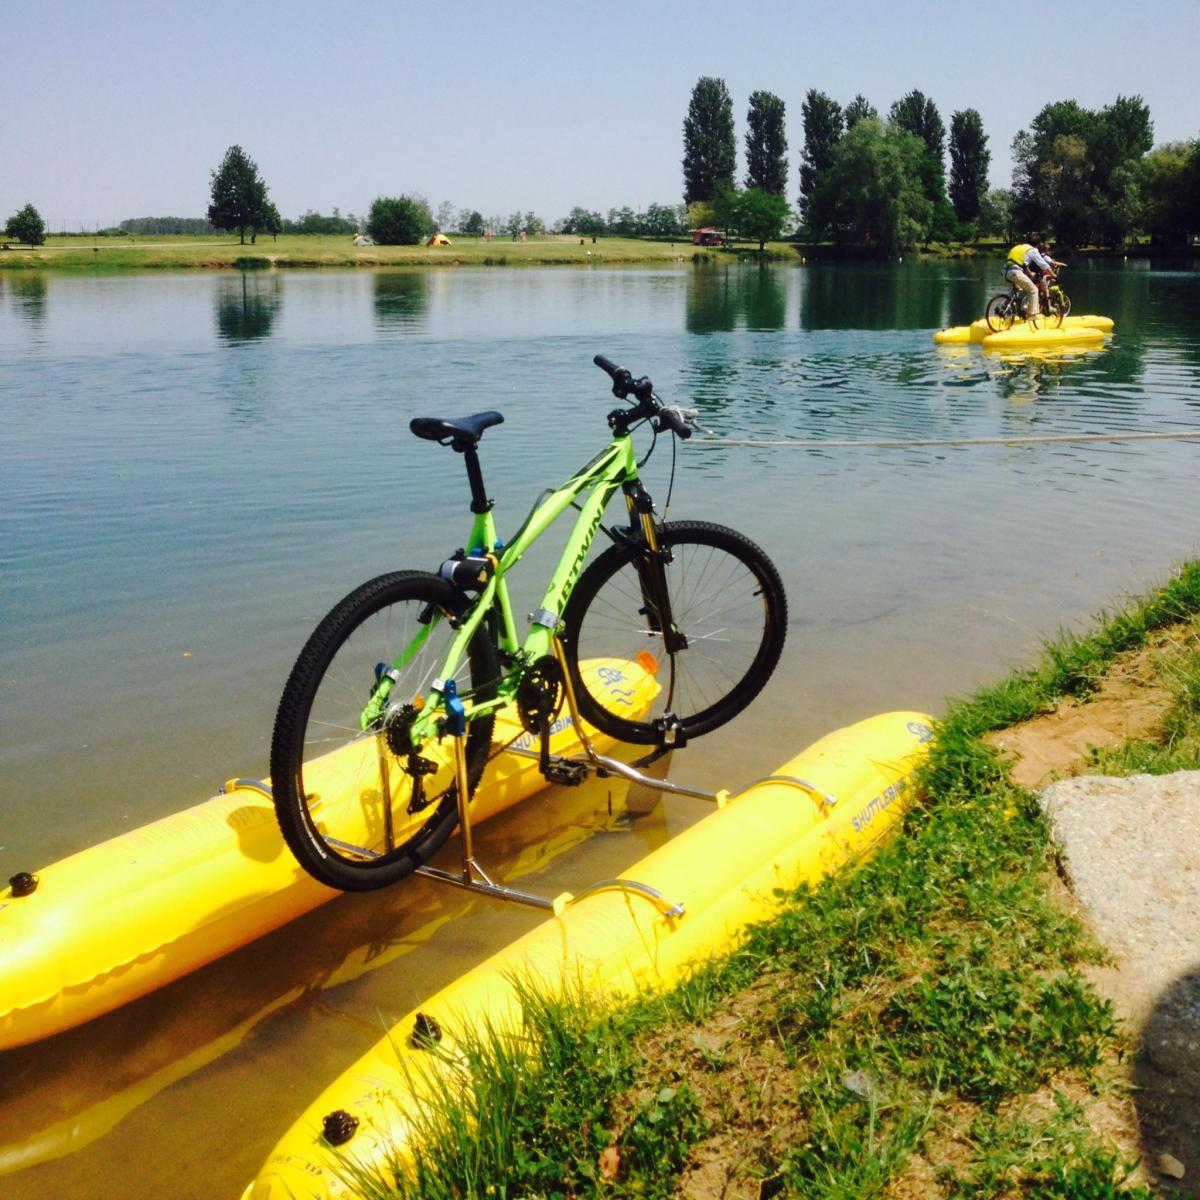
(566, 772)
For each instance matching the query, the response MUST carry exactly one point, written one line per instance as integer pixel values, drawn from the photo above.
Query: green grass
(923, 1027)
(313, 250)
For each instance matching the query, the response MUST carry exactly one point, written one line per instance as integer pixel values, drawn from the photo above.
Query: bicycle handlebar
(642, 390)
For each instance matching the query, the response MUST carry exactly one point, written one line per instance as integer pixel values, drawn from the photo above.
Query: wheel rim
(357, 791)
(720, 608)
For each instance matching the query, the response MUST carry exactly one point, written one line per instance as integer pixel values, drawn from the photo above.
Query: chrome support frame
(473, 878)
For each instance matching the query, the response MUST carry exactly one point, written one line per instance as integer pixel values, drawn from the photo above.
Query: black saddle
(461, 433)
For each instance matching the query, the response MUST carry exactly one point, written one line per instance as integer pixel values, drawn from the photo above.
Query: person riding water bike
(1025, 263)
(1043, 279)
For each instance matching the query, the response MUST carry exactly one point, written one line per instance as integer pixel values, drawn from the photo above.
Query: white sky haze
(122, 109)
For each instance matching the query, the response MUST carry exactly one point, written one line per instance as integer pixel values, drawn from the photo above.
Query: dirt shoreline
(1129, 852)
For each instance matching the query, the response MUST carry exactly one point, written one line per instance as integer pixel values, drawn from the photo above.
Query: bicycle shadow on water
(290, 1011)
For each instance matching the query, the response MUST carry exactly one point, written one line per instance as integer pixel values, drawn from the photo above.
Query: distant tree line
(192, 226)
(1086, 177)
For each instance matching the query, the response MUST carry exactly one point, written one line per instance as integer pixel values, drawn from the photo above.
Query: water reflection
(401, 300)
(875, 297)
(723, 299)
(247, 306)
(28, 293)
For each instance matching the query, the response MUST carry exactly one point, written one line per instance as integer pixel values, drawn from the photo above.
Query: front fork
(651, 576)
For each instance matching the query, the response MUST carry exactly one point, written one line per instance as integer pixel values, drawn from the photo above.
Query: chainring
(540, 694)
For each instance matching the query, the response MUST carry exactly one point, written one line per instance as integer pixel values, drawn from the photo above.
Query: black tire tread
(292, 715)
(618, 556)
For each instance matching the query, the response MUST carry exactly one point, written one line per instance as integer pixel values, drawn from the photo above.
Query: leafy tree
(271, 223)
(709, 144)
(766, 144)
(1042, 182)
(755, 213)
(876, 187)
(26, 226)
(969, 160)
(662, 221)
(996, 214)
(823, 126)
(1169, 176)
(315, 222)
(622, 221)
(1122, 135)
(857, 109)
(239, 195)
(579, 220)
(700, 213)
(399, 220)
(470, 222)
(445, 215)
(534, 225)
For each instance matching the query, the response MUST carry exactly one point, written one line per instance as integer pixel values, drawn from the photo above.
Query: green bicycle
(388, 715)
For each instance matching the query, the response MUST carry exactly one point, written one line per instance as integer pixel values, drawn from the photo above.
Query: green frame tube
(614, 467)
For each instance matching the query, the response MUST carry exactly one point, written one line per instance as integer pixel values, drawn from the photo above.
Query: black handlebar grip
(606, 364)
(674, 423)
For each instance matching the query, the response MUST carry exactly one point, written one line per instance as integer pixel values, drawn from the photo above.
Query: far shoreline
(97, 253)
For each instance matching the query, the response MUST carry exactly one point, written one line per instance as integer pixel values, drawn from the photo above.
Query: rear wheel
(724, 628)
(999, 312)
(362, 808)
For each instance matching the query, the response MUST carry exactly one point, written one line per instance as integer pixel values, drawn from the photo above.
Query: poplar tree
(918, 114)
(969, 160)
(766, 144)
(709, 144)
(823, 124)
(858, 109)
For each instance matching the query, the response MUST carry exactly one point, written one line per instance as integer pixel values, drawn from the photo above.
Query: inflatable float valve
(23, 884)
(426, 1032)
(338, 1127)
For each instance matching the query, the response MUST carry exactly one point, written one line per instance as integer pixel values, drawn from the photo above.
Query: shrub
(399, 221)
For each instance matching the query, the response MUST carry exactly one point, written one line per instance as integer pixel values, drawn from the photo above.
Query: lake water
(194, 467)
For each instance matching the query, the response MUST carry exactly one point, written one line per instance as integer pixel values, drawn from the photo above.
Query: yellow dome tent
(438, 239)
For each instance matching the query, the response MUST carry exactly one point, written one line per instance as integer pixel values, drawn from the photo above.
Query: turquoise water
(195, 467)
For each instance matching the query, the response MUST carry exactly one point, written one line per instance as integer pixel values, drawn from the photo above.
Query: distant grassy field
(313, 250)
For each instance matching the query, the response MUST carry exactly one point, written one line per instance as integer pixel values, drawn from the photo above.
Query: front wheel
(358, 805)
(1059, 304)
(999, 312)
(712, 642)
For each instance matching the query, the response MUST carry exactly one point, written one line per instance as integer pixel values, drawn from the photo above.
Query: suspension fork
(652, 578)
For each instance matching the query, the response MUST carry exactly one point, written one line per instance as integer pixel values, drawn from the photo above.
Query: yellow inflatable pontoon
(978, 332)
(827, 807)
(111, 923)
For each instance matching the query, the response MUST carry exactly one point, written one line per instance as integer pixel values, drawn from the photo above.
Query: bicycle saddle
(465, 431)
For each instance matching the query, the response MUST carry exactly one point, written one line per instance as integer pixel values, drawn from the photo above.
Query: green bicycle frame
(597, 482)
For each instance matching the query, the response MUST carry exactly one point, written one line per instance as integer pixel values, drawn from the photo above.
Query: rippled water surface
(193, 468)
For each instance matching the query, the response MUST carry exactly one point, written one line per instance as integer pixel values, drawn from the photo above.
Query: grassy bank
(924, 1027)
(312, 251)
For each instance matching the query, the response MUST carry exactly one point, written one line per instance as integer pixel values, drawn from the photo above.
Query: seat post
(479, 500)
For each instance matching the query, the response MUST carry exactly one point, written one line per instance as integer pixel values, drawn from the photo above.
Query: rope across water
(902, 444)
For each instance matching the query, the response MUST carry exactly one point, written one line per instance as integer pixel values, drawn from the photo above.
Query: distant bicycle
(1006, 307)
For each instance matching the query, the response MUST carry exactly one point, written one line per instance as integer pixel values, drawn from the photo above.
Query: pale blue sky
(120, 109)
